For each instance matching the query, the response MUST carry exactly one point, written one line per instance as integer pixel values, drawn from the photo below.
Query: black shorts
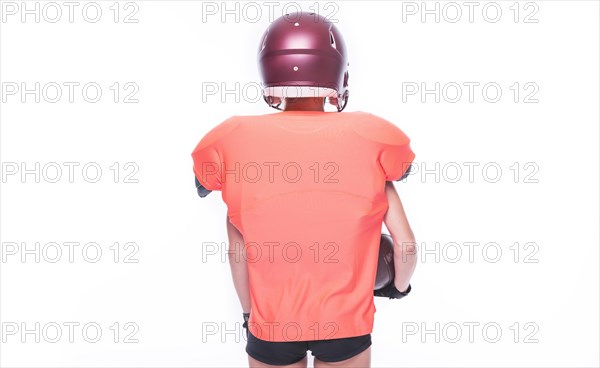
(290, 352)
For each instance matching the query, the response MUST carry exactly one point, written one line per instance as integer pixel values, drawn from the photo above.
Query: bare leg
(253, 363)
(362, 360)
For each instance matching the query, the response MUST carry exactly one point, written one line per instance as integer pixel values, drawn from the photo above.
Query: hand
(401, 287)
(245, 325)
(391, 292)
(246, 318)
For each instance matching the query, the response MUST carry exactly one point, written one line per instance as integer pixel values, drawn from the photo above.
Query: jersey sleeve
(207, 156)
(405, 175)
(395, 159)
(395, 153)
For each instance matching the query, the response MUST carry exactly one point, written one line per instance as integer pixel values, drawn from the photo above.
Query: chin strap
(345, 103)
(269, 101)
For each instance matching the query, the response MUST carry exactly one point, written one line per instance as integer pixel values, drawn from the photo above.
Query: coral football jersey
(306, 189)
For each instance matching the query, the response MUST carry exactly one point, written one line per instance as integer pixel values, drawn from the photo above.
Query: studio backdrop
(109, 258)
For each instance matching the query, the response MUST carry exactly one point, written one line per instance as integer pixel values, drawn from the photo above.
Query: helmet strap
(269, 102)
(342, 107)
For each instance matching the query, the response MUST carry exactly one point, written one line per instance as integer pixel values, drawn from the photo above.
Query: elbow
(406, 246)
(410, 248)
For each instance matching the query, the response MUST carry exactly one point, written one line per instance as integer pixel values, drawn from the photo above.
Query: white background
(170, 294)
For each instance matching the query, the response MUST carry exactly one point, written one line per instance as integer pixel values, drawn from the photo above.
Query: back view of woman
(307, 192)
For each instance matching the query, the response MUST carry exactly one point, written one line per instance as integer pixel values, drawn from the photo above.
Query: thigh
(253, 363)
(267, 353)
(361, 360)
(341, 350)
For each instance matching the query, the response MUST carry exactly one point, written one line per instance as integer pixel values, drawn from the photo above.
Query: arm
(405, 250)
(239, 265)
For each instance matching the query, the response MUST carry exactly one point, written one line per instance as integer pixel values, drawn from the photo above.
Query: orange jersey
(306, 189)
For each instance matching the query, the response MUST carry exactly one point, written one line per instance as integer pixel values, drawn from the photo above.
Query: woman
(307, 192)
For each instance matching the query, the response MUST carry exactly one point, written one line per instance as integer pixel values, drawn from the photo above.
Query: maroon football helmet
(303, 55)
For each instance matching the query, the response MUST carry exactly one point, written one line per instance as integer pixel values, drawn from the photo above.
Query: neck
(304, 104)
